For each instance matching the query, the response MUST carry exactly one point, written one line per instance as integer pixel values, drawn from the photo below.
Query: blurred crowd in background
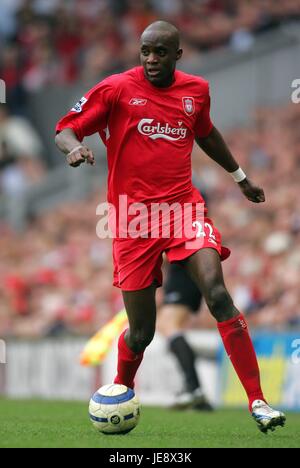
(46, 42)
(56, 276)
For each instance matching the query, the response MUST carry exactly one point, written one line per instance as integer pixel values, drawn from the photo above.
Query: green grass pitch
(66, 424)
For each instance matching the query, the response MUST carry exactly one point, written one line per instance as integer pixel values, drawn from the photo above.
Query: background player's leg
(141, 310)
(206, 270)
(172, 321)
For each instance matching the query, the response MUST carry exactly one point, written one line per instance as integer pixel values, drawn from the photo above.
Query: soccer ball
(114, 409)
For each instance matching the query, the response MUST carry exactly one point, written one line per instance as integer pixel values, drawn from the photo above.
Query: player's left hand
(253, 193)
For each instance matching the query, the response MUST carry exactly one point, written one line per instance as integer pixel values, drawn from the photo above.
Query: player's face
(159, 55)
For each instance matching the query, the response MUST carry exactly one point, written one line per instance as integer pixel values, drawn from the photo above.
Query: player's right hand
(80, 155)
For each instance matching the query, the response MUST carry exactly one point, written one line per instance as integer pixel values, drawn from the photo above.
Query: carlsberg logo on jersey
(158, 130)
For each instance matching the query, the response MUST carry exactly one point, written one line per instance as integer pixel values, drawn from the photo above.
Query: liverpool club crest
(188, 105)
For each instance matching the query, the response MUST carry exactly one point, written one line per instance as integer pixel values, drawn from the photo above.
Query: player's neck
(167, 83)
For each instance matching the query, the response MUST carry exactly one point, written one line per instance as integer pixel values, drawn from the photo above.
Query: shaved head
(163, 29)
(160, 51)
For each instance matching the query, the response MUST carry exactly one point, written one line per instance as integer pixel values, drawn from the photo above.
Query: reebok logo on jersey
(137, 102)
(164, 131)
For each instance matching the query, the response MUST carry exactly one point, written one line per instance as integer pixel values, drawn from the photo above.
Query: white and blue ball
(114, 409)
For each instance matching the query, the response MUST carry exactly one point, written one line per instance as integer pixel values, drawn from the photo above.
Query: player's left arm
(216, 148)
(212, 143)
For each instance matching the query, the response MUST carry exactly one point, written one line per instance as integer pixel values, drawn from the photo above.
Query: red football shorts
(137, 262)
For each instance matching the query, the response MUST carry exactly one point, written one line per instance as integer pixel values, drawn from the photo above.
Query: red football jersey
(148, 131)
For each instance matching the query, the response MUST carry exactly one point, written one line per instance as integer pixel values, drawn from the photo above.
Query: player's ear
(179, 54)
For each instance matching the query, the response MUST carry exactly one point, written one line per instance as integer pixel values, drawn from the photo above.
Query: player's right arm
(87, 117)
(76, 153)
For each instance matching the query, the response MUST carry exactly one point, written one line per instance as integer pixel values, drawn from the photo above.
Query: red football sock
(239, 347)
(128, 363)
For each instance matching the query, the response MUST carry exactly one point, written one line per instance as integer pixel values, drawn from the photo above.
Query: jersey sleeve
(90, 114)
(204, 124)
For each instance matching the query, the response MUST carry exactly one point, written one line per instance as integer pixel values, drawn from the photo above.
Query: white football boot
(266, 417)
